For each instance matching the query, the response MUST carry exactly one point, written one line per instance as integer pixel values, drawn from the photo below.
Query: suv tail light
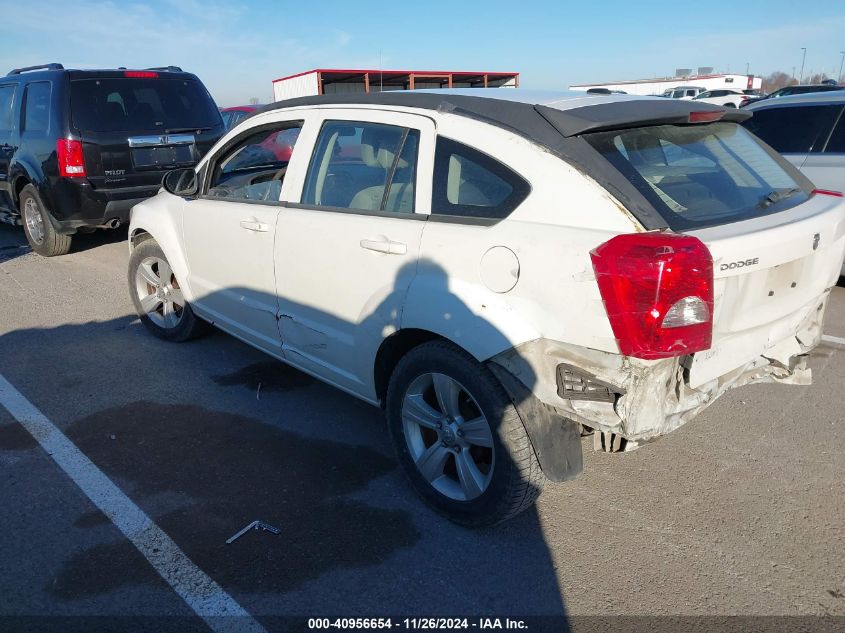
(71, 160)
(658, 292)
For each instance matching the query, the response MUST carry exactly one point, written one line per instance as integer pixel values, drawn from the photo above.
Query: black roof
(530, 118)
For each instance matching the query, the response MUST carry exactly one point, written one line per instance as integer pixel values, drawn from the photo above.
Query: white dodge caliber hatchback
(502, 274)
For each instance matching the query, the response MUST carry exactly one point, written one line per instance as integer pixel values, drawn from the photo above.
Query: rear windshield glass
(138, 104)
(700, 175)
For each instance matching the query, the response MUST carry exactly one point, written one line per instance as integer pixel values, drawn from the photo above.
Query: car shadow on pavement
(187, 440)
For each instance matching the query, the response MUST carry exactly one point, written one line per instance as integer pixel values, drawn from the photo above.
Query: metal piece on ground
(255, 525)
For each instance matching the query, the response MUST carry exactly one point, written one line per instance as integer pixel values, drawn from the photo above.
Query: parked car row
(79, 148)
(741, 98)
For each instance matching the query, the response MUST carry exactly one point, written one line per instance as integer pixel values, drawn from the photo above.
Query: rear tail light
(826, 192)
(71, 160)
(140, 74)
(658, 292)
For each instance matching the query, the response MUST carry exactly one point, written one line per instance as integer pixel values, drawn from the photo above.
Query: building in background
(335, 81)
(704, 78)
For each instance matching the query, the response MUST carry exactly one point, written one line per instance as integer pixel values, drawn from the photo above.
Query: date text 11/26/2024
(417, 624)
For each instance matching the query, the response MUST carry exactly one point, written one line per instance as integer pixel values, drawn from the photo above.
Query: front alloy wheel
(158, 297)
(158, 292)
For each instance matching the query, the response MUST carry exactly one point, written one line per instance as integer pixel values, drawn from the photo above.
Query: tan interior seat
(378, 149)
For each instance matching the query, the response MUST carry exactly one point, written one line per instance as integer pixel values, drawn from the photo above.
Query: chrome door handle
(385, 246)
(254, 225)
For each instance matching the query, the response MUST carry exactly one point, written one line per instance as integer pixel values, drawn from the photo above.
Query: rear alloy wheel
(459, 437)
(38, 228)
(449, 440)
(158, 297)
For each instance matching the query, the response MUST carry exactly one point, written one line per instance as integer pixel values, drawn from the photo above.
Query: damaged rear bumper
(641, 400)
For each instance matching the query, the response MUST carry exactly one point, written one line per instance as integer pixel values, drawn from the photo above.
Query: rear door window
(700, 175)
(141, 104)
(7, 98)
(37, 108)
(796, 129)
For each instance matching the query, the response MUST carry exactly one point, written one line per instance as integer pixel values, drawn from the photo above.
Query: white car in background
(684, 93)
(501, 274)
(726, 98)
(809, 131)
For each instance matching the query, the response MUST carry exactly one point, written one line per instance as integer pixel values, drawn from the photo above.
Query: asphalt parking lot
(738, 513)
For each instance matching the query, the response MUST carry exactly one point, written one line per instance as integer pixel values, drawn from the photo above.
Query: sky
(237, 47)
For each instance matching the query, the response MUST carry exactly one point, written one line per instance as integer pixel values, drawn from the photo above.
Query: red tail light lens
(71, 160)
(658, 293)
(140, 74)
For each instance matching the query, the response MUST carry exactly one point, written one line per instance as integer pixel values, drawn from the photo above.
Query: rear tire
(38, 226)
(158, 297)
(473, 474)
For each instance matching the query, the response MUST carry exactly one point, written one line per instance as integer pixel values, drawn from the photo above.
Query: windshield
(140, 104)
(700, 175)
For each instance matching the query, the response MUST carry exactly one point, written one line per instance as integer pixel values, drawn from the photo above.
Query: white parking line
(195, 587)
(834, 341)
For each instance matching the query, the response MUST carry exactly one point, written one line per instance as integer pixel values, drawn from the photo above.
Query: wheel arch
(166, 235)
(391, 351)
(21, 174)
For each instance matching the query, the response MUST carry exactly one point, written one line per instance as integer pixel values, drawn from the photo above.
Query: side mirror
(181, 182)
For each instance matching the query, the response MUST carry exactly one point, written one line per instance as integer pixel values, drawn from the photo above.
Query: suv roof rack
(173, 69)
(18, 71)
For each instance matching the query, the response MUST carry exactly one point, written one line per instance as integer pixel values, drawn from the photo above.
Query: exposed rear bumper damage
(641, 400)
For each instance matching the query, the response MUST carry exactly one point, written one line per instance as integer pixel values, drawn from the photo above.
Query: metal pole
(839, 78)
(747, 66)
(803, 57)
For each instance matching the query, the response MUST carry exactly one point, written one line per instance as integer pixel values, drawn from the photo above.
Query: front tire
(459, 437)
(38, 227)
(158, 297)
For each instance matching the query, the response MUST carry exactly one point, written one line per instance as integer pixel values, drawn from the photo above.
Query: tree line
(780, 79)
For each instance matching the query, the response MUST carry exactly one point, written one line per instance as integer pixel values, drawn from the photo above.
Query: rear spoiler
(620, 115)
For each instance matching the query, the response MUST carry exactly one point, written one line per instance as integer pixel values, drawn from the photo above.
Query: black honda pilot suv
(79, 148)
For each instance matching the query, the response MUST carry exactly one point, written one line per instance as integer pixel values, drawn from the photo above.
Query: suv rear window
(136, 104)
(700, 175)
(794, 129)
